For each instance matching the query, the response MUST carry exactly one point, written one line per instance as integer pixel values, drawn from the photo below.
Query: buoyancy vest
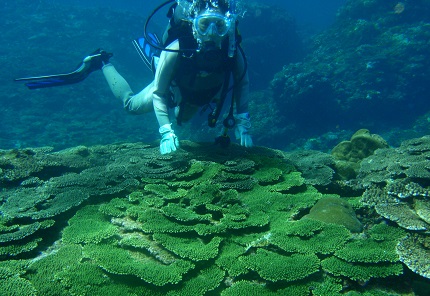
(200, 75)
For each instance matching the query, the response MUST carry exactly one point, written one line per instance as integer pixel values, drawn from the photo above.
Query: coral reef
(349, 154)
(347, 81)
(335, 210)
(414, 252)
(396, 183)
(316, 167)
(205, 220)
(66, 179)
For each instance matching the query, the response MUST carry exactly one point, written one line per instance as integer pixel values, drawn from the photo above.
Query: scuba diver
(193, 67)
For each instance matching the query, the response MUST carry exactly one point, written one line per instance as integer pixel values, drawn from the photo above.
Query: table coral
(180, 230)
(359, 271)
(414, 252)
(276, 267)
(316, 167)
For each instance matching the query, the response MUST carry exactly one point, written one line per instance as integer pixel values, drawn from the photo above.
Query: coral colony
(124, 220)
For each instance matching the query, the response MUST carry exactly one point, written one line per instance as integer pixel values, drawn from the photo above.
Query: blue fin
(90, 64)
(147, 52)
(75, 76)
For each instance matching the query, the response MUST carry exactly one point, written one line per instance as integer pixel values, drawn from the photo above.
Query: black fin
(90, 63)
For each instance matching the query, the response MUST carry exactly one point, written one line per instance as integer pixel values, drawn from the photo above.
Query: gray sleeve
(241, 89)
(161, 87)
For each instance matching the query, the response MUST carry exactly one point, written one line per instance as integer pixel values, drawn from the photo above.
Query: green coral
(20, 231)
(288, 181)
(19, 248)
(326, 240)
(331, 286)
(229, 259)
(116, 207)
(88, 226)
(245, 288)
(369, 251)
(116, 260)
(276, 267)
(189, 248)
(361, 271)
(11, 280)
(207, 280)
(153, 220)
(82, 279)
(182, 214)
(187, 231)
(269, 175)
(17, 286)
(164, 191)
(41, 272)
(382, 232)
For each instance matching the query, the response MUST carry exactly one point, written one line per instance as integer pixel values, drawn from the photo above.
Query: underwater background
(49, 37)
(334, 200)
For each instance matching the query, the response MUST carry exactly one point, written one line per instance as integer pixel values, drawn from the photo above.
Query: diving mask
(212, 24)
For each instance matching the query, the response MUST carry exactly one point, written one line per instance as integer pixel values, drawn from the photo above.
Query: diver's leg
(136, 104)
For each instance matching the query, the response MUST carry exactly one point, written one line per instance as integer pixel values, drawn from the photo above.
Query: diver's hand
(97, 59)
(243, 124)
(169, 141)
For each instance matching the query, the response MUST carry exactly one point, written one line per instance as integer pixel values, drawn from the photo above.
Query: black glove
(97, 60)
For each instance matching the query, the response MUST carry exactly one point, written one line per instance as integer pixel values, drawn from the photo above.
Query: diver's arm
(241, 96)
(164, 75)
(162, 82)
(241, 86)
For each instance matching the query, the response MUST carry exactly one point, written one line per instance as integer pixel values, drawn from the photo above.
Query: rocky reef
(370, 69)
(122, 219)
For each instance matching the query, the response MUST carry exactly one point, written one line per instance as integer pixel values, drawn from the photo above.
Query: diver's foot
(97, 60)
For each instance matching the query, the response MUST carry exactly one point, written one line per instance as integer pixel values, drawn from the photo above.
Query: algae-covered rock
(361, 145)
(335, 210)
(348, 154)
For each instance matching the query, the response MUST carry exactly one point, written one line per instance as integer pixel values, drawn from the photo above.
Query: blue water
(46, 37)
(314, 13)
